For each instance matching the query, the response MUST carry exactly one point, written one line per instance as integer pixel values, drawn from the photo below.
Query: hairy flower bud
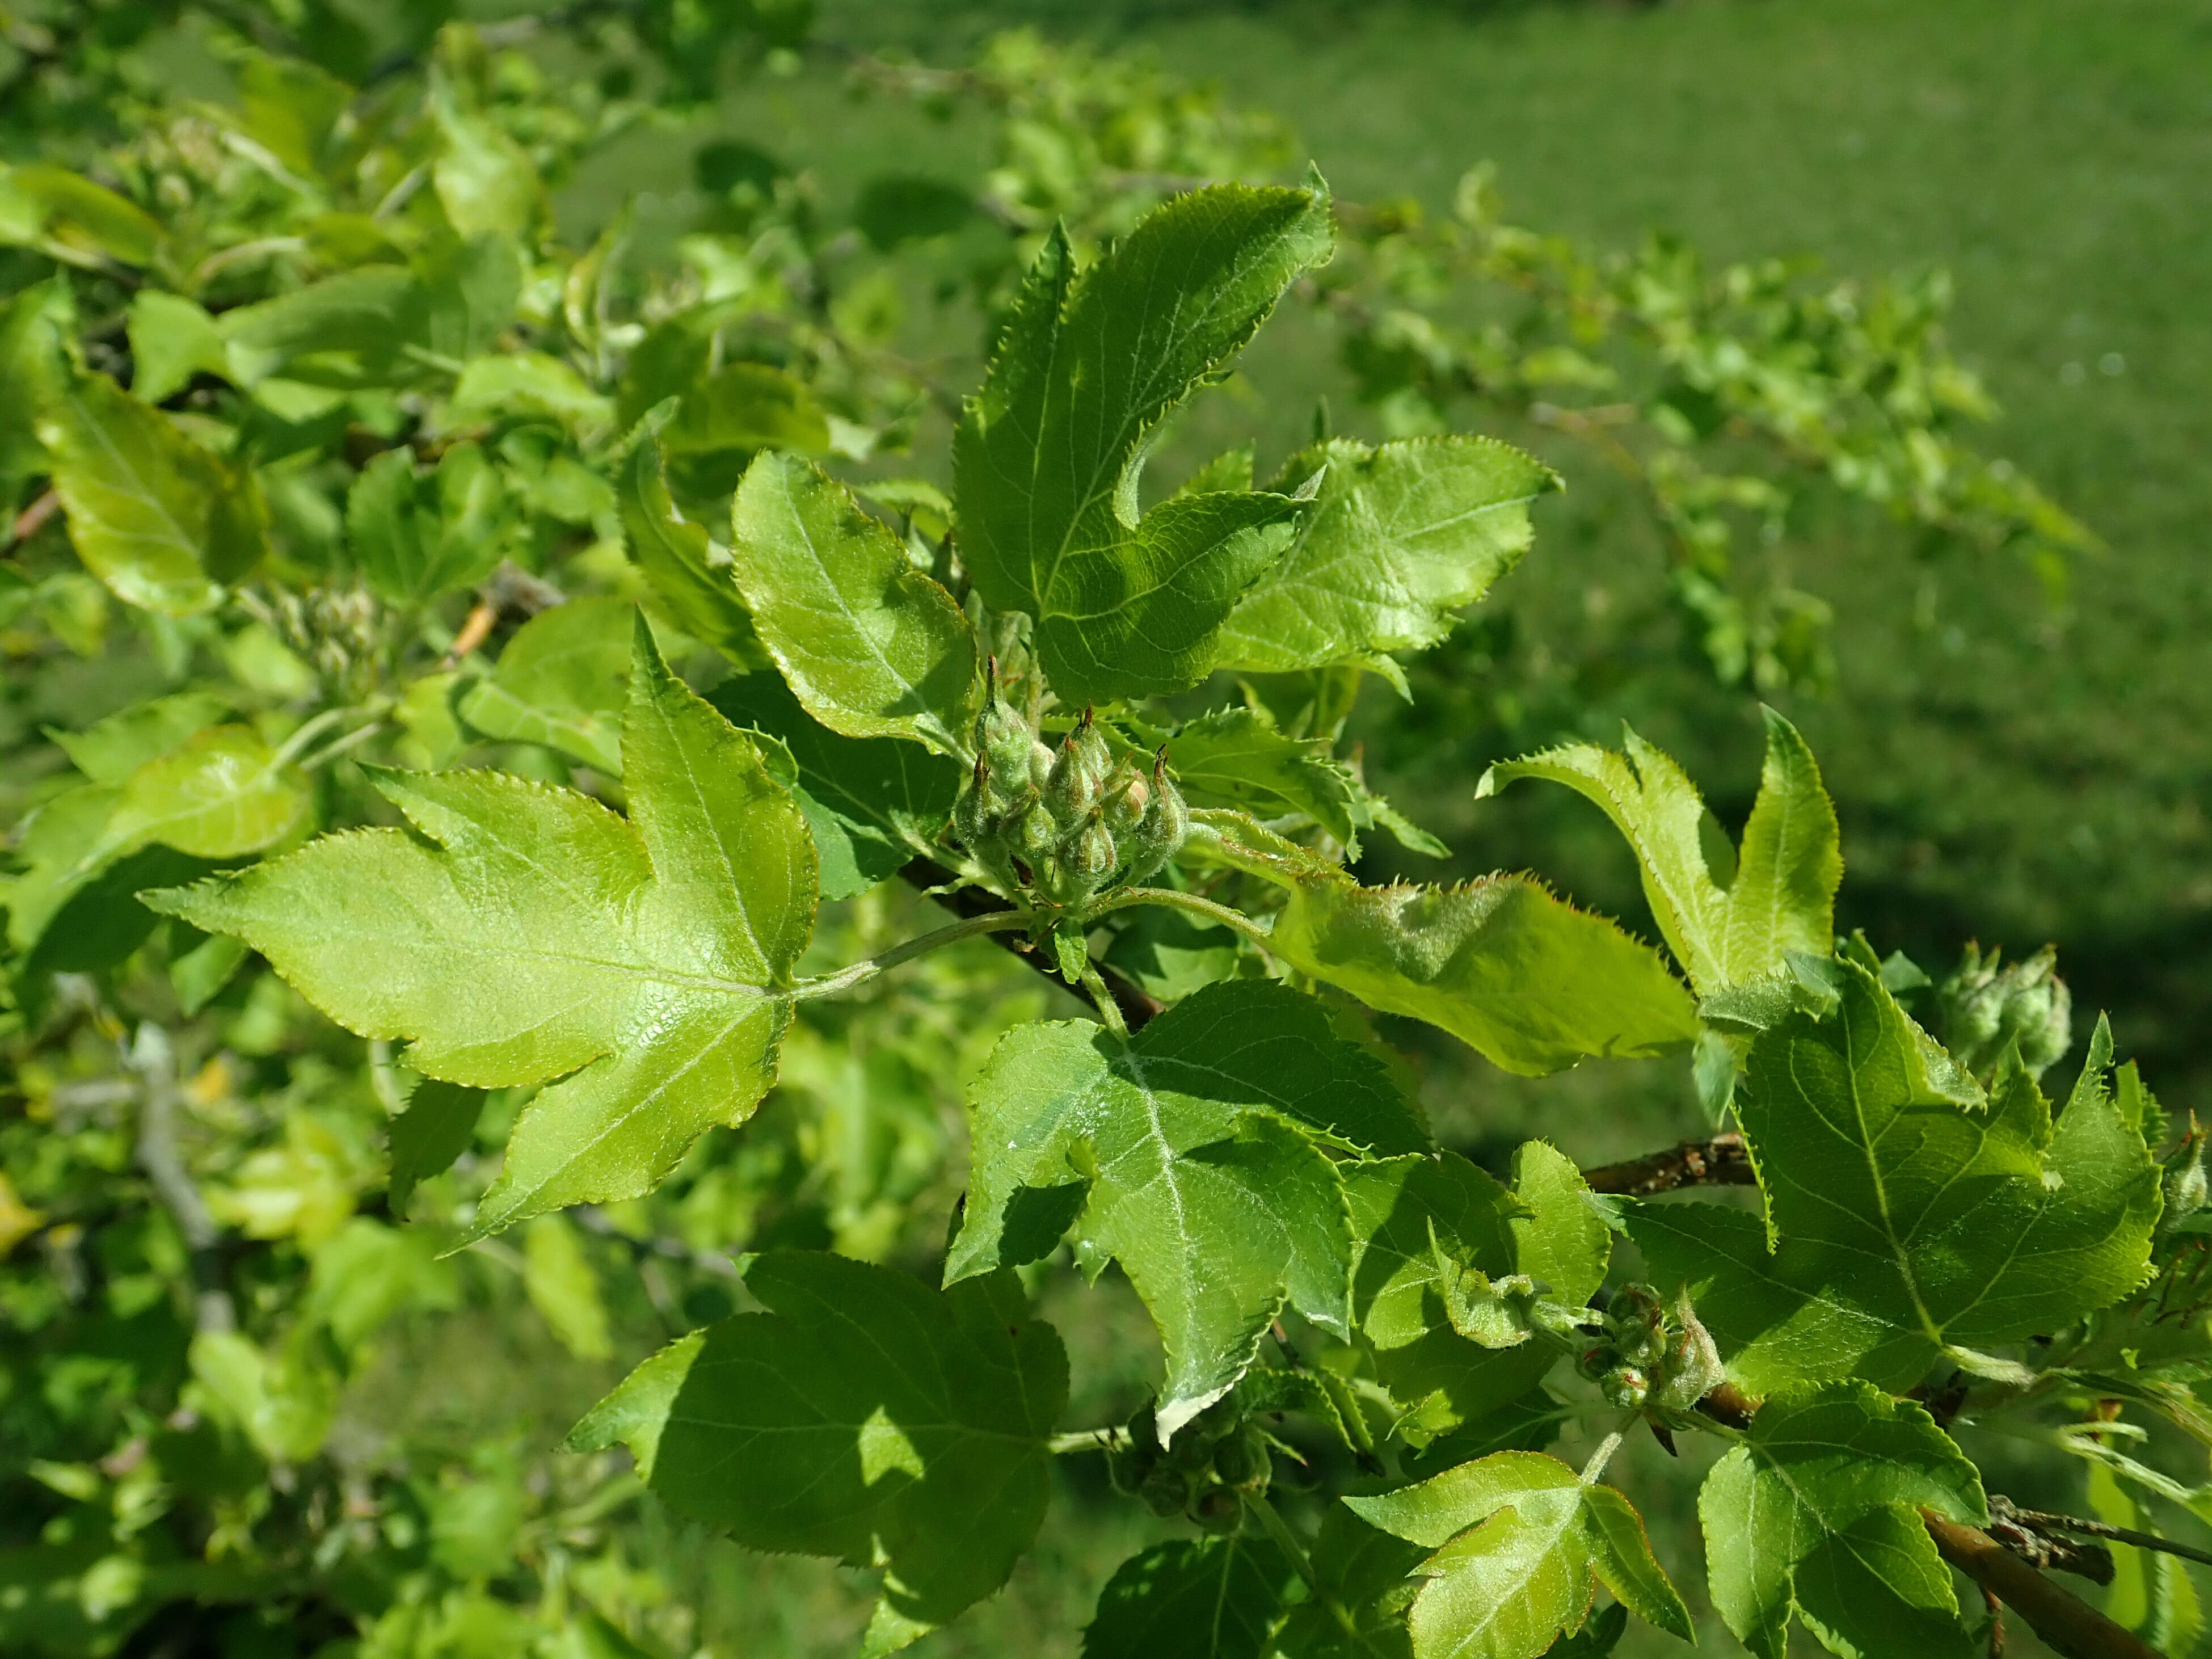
(1159, 834)
(2185, 1185)
(1078, 779)
(1982, 1008)
(1626, 1386)
(1693, 1367)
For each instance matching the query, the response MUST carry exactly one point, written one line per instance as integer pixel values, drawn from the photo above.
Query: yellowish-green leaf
(524, 935)
(871, 645)
(1530, 983)
(165, 524)
(560, 681)
(1781, 897)
(692, 578)
(68, 217)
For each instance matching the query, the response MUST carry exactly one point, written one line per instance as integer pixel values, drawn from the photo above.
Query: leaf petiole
(997, 921)
(1219, 913)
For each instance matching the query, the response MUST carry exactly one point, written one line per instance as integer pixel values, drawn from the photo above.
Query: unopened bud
(1160, 832)
(1626, 1386)
(2185, 1186)
(1079, 772)
(1984, 1008)
(1127, 797)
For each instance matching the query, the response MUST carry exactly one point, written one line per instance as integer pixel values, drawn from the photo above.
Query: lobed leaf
(1782, 894)
(1188, 1155)
(1816, 1513)
(524, 935)
(863, 1417)
(1907, 1216)
(1050, 453)
(871, 645)
(1530, 983)
(1398, 539)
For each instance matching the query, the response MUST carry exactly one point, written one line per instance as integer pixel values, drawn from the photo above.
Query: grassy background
(2003, 771)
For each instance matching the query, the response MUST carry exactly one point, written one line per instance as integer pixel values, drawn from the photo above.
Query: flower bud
(1078, 778)
(1982, 1008)
(1160, 832)
(2185, 1186)
(1218, 1512)
(1626, 1386)
(1127, 797)
(1694, 1365)
(1089, 856)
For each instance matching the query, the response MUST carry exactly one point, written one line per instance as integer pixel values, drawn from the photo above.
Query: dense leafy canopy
(603, 610)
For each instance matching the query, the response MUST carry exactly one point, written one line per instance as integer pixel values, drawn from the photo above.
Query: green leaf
(1203, 1598)
(1362, 1580)
(1050, 454)
(872, 647)
(164, 523)
(524, 386)
(1782, 896)
(439, 1121)
(1816, 1512)
(417, 534)
(1415, 1218)
(483, 178)
(109, 750)
(1521, 1546)
(691, 576)
(560, 681)
(69, 218)
(32, 326)
(1235, 757)
(863, 1417)
(871, 803)
(172, 339)
(728, 417)
(1530, 983)
(1907, 1216)
(1399, 538)
(565, 1288)
(1188, 1156)
(522, 934)
(219, 794)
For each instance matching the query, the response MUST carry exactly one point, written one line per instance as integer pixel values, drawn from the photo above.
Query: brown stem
(1722, 1161)
(29, 520)
(2062, 1618)
(1137, 1005)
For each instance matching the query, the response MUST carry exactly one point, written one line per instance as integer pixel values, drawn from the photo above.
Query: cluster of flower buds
(1218, 1459)
(1984, 1007)
(335, 630)
(1649, 1355)
(1064, 824)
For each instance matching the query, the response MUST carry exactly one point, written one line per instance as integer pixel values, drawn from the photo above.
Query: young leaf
(560, 683)
(1203, 1598)
(871, 803)
(1782, 897)
(1235, 757)
(1188, 1156)
(691, 577)
(1399, 538)
(562, 1285)
(1521, 1546)
(163, 522)
(726, 418)
(863, 1417)
(523, 934)
(1906, 1217)
(1816, 1513)
(1529, 982)
(416, 535)
(872, 647)
(1413, 1220)
(32, 366)
(220, 793)
(1050, 453)
(109, 750)
(68, 217)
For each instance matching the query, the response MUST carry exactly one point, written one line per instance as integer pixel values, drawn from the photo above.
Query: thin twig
(31, 517)
(1722, 1161)
(862, 972)
(2043, 1520)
